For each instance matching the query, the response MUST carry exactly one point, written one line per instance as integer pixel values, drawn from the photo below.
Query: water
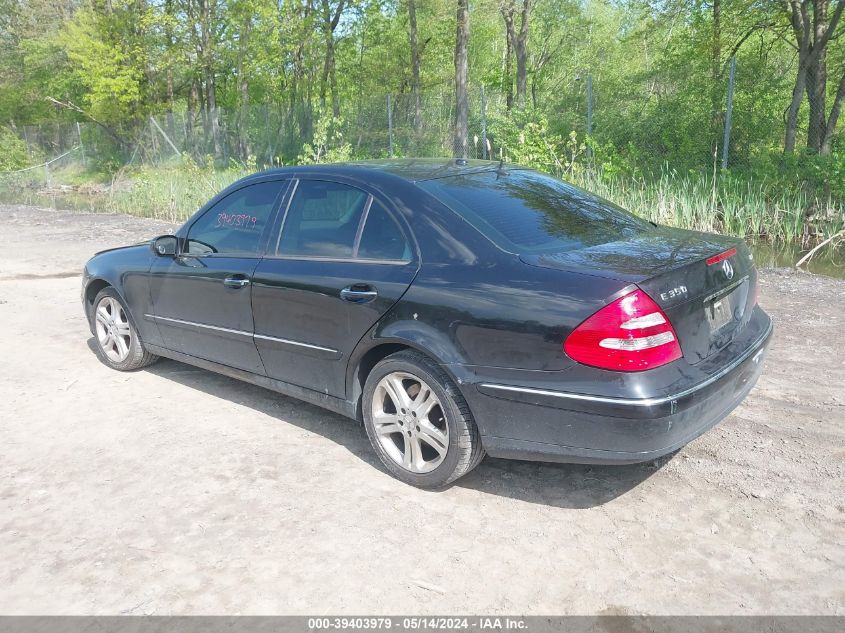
(829, 261)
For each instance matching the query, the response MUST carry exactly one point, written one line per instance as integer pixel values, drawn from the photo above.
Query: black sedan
(457, 308)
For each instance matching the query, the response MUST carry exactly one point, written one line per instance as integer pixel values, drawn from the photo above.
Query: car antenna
(500, 170)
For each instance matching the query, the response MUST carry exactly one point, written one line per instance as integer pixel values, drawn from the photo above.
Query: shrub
(328, 144)
(12, 151)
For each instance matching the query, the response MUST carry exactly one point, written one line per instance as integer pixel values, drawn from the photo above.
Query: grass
(734, 206)
(170, 192)
(731, 205)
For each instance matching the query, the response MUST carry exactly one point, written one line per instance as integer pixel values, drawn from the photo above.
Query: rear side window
(322, 220)
(524, 211)
(233, 226)
(382, 238)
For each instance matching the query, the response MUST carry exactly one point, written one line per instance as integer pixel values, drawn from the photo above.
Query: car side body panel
(494, 320)
(126, 269)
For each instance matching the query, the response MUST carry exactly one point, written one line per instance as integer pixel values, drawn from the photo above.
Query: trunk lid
(707, 304)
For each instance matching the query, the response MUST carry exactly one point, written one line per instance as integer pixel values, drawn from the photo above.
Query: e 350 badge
(677, 291)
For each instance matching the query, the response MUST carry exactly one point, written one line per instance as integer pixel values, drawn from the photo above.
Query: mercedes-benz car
(456, 308)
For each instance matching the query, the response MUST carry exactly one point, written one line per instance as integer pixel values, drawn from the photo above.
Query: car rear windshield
(523, 211)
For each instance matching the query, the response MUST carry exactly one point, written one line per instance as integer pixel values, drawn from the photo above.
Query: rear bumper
(552, 425)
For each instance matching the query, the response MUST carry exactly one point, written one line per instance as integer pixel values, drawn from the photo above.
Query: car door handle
(358, 293)
(236, 281)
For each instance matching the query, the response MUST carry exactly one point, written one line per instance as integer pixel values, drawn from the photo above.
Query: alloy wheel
(409, 422)
(113, 332)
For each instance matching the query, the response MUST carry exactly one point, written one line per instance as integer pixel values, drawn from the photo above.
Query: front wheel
(418, 422)
(117, 342)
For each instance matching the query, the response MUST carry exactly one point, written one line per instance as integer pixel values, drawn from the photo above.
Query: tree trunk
(522, 55)
(415, 67)
(171, 123)
(301, 87)
(816, 89)
(207, 16)
(243, 148)
(461, 80)
(835, 110)
(193, 98)
(330, 23)
(811, 76)
(716, 71)
(817, 81)
(333, 80)
(508, 9)
(794, 108)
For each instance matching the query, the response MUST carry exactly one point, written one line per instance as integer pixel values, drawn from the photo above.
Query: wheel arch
(365, 358)
(93, 288)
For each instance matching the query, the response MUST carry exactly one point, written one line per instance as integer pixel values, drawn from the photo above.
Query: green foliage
(744, 207)
(820, 177)
(328, 145)
(107, 58)
(171, 192)
(258, 77)
(12, 151)
(524, 138)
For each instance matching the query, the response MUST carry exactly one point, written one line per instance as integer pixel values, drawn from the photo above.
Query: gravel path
(174, 490)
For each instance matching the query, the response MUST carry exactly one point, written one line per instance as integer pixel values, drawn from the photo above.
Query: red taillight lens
(630, 334)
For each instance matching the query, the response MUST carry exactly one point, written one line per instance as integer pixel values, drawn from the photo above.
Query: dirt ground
(174, 490)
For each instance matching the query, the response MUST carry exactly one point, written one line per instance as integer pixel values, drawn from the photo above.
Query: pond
(829, 261)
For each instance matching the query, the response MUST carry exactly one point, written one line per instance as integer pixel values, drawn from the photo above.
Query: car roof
(409, 169)
(416, 169)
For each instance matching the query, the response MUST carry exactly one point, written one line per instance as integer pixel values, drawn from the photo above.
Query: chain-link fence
(592, 125)
(404, 125)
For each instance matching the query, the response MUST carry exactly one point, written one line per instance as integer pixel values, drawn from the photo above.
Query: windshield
(523, 211)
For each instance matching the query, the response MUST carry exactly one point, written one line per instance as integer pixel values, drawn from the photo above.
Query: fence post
(484, 153)
(81, 146)
(728, 114)
(389, 128)
(589, 112)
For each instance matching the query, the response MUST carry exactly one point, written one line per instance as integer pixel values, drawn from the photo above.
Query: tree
(461, 142)
(413, 41)
(330, 19)
(521, 47)
(516, 43)
(244, 12)
(812, 36)
(507, 8)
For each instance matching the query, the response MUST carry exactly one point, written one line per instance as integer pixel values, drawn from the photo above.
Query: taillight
(630, 334)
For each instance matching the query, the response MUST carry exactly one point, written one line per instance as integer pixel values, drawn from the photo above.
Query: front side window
(234, 225)
(322, 220)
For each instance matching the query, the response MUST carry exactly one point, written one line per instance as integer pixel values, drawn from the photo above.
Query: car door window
(234, 225)
(382, 238)
(322, 220)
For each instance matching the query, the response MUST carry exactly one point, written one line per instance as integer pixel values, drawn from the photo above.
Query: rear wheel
(418, 422)
(117, 341)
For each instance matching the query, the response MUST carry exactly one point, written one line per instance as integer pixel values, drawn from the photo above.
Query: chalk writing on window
(242, 221)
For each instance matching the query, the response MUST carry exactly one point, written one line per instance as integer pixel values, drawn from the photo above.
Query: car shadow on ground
(575, 486)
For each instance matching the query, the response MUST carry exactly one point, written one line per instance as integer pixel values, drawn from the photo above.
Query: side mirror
(165, 245)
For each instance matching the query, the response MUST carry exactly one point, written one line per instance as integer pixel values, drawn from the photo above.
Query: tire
(444, 441)
(116, 339)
